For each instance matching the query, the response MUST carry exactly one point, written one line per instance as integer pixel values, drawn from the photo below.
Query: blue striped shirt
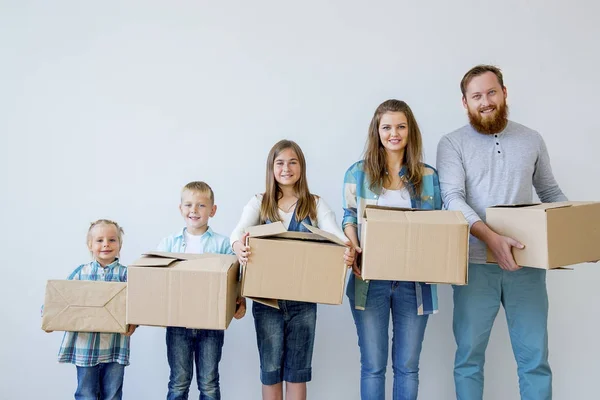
(87, 349)
(357, 196)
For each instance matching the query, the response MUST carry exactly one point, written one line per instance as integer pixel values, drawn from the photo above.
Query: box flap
(437, 217)
(582, 203)
(329, 236)
(549, 206)
(298, 235)
(370, 211)
(278, 230)
(164, 259)
(564, 204)
(536, 206)
(267, 302)
(266, 229)
(546, 206)
(146, 261)
(522, 205)
(178, 256)
(217, 263)
(410, 215)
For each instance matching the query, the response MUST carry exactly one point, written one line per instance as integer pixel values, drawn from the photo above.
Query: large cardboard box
(297, 266)
(554, 234)
(415, 245)
(84, 306)
(186, 290)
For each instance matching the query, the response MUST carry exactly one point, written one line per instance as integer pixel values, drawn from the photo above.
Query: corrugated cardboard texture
(196, 293)
(413, 245)
(555, 235)
(300, 270)
(85, 306)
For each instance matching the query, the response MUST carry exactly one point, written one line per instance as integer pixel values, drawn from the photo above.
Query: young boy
(202, 345)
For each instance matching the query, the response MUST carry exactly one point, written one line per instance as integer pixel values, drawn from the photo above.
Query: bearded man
(487, 162)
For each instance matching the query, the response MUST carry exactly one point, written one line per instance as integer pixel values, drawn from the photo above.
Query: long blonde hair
(306, 206)
(375, 160)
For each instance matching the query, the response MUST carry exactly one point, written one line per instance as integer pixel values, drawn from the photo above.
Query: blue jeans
(285, 339)
(184, 346)
(372, 326)
(100, 382)
(525, 300)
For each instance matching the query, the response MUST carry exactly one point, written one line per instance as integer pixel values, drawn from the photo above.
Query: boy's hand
(240, 310)
(241, 250)
(130, 330)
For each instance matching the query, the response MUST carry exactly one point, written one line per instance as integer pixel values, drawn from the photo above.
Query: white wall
(108, 108)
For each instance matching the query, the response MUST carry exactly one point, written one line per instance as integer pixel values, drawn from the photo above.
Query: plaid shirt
(357, 196)
(87, 349)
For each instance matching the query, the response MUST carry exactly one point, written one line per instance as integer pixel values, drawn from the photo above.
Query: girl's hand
(240, 310)
(350, 254)
(130, 330)
(351, 258)
(241, 250)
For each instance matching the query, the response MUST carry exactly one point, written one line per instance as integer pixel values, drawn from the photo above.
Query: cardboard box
(84, 306)
(297, 266)
(554, 234)
(186, 290)
(415, 245)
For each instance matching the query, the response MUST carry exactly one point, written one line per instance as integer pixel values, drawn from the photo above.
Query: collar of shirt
(181, 235)
(114, 264)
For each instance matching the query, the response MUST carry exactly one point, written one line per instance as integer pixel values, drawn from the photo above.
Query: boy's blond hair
(201, 188)
(120, 231)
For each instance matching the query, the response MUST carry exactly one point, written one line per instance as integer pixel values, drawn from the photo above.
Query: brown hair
(375, 159)
(480, 70)
(120, 231)
(306, 206)
(200, 187)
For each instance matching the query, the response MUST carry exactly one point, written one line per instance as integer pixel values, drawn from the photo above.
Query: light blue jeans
(103, 381)
(525, 300)
(186, 346)
(372, 325)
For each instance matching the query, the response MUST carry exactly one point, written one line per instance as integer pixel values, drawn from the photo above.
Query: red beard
(490, 126)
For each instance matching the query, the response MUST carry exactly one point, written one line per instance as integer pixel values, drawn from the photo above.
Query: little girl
(285, 336)
(100, 358)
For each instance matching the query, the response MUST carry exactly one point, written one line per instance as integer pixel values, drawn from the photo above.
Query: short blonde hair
(199, 187)
(120, 231)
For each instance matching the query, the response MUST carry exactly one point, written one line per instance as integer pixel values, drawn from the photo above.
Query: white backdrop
(108, 108)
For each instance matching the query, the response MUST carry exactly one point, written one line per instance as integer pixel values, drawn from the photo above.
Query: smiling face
(485, 101)
(393, 131)
(196, 209)
(286, 168)
(104, 243)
